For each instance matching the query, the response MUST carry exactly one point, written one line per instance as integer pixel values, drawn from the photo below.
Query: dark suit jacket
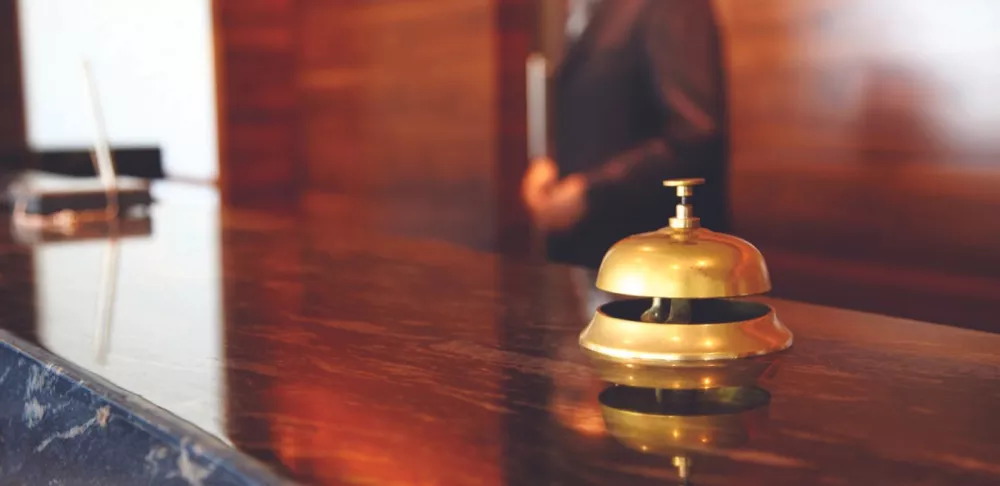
(638, 99)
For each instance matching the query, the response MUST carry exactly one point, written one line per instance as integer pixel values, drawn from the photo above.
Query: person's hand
(554, 204)
(541, 177)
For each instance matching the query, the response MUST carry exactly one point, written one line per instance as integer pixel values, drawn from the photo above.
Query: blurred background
(857, 140)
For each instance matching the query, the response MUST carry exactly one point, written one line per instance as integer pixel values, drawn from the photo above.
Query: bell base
(616, 334)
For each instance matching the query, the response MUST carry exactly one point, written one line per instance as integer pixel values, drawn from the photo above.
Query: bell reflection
(672, 422)
(684, 409)
(681, 423)
(685, 375)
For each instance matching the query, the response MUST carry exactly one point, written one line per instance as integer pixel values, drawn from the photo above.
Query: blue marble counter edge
(62, 425)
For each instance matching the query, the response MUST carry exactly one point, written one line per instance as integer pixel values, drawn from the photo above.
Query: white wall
(154, 65)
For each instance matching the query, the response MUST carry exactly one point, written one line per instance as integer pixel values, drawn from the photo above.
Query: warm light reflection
(590, 425)
(327, 439)
(575, 406)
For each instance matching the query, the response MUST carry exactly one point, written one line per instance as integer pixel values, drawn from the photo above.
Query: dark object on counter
(144, 162)
(48, 207)
(47, 194)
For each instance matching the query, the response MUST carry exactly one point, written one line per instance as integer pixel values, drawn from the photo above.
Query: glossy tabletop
(341, 349)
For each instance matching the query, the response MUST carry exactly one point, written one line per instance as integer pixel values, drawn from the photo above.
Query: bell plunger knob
(685, 218)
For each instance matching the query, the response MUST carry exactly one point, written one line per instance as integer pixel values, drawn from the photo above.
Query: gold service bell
(684, 279)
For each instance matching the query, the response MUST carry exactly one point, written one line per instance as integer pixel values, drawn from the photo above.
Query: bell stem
(654, 313)
(680, 311)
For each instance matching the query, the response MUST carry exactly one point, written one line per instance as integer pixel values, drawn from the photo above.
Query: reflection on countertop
(166, 326)
(340, 348)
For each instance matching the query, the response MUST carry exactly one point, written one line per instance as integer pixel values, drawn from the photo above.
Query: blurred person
(638, 97)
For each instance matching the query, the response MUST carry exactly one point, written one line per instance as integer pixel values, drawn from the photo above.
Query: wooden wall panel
(395, 100)
(397, 96)
(257, 101)
(331, 79)
(518, 35)
(398, 104)
(866, 150)
(12, 129)
(864, 133)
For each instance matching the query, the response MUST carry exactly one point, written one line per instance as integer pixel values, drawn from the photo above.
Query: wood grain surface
(366, 351)
(364, 354)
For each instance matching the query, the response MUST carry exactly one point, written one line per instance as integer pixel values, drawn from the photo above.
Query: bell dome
(688, 263)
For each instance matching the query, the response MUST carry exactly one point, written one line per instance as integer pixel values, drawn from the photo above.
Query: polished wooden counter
(340, 346)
